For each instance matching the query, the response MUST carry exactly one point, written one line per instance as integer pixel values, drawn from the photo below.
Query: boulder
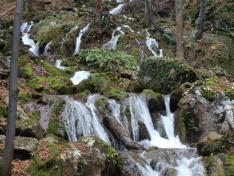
(211, 143)
(214, 166)
(165, 75)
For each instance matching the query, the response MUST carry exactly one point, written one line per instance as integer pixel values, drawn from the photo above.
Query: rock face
(195, 112)
(164, 75)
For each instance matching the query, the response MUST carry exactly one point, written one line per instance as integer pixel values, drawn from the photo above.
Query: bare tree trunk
(99, 11)
(179, 29)
(13, 92)
(201, 19)
(148, 13)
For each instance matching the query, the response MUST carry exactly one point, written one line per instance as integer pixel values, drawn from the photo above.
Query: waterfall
(114, 39)
(33, 47)
(128, 27)
(115, 108)
(80, 76)
(140, 113)
(117, 10)
(47, 50)
(78, 39)
(152, 45)
(81, 119)
(58, 65)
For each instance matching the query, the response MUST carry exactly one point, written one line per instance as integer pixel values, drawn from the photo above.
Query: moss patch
(108, 60)
(229, 168)
(164, 75)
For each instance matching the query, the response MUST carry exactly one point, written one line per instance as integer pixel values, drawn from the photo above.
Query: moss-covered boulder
(212, 143)
(214, 86)
(88, 156)
(214, 166)
(164, 75)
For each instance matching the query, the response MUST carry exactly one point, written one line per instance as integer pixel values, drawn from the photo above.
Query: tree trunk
(201, 19)
(148, 13)
(179, 29)
(99, 11)
(13, 92)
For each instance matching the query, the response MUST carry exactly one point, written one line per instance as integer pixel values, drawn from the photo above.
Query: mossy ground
(229, 168)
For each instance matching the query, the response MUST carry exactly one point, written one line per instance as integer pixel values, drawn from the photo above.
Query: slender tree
(99, 8)
(13, 92)
(148, 13)
(201, 19)
(179, 29)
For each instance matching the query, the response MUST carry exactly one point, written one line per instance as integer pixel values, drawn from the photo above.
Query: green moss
(165, 75)
(3, 111)
(108, 60)
(214, 85)
(115, 93)
(51, 166)
(229, 168)
(34, 119)
(25, 96)
(187, 126)
(55, 124)
(27, 70)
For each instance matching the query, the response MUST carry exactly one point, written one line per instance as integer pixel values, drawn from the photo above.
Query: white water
(58, 65)
(152, 45)
(80, 76)
(81, 119)
(47, 50)
(128, 27)
(33, 47)
(114, 39)
(117, 10)
(140, 112)
(78, 39)
(115, 108)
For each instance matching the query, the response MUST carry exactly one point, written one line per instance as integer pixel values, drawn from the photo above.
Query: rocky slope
(201, 89)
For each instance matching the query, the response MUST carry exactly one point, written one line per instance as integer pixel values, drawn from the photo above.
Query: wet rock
(196, 116)
(164, 75)
(120, 132)
(143, 132)
(211, 143)
(170, 172)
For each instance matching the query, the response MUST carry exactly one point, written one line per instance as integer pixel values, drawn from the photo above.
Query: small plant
(108, 60)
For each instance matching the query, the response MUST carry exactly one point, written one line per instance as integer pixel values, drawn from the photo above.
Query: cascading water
(186, 164)
(80, 76)
(117, 10)
(114, 39)
(78, 39)
(152, 44)
(33, 47)
(81, 119)
(58, 65)
(47, 50)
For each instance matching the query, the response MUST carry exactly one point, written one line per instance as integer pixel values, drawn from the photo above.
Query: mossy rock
(115, 93)
(213, 165)
(187, 126)
(165, 75)
(215, 85)
(56, 125)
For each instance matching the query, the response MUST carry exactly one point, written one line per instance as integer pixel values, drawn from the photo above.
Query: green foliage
(27, 70)
(55, 123)
(51, 166)
(108, 60)
(165, 75)
(215, 85)
(229, 168)
(3, 111)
